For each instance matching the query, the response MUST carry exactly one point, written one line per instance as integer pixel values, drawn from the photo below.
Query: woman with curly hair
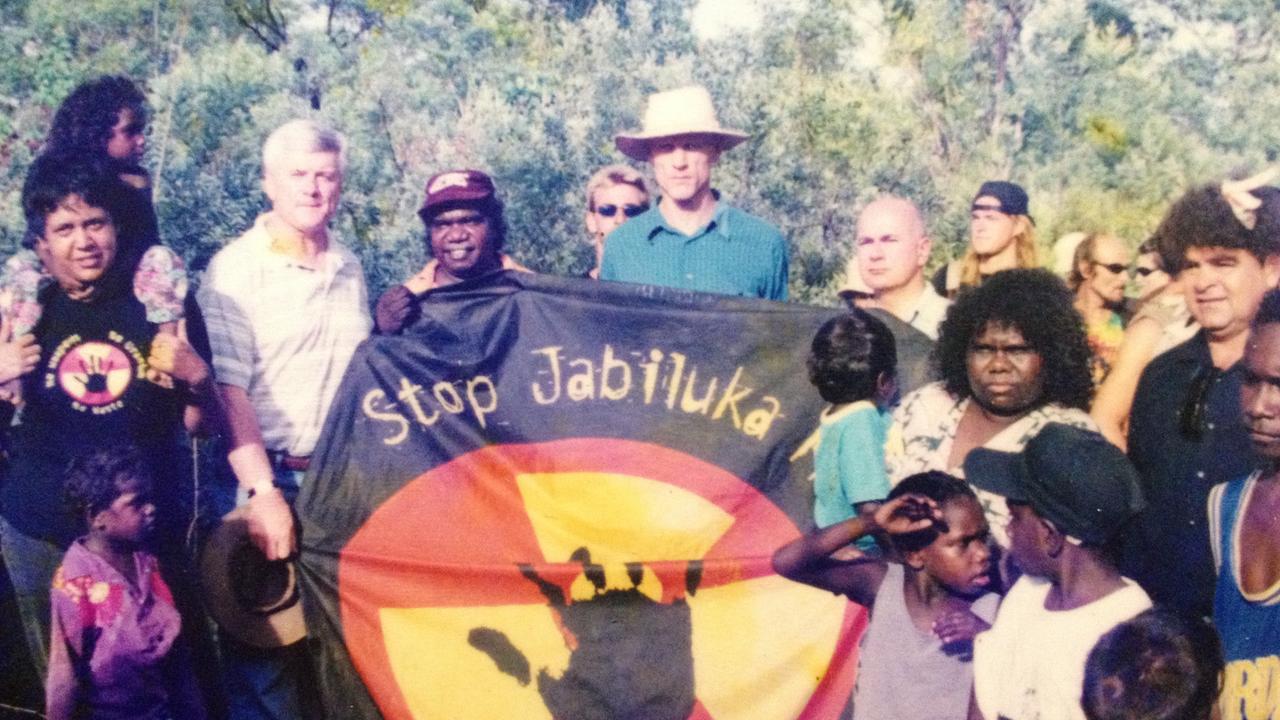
(102, 122)
(1013, 358)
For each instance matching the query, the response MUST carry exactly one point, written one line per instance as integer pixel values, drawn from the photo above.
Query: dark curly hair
(94, 479)
(938, 487)
(53, 177)
(849, 354)
(1037, 304)
(1203, 218)
(83, 122)
(1156, 666)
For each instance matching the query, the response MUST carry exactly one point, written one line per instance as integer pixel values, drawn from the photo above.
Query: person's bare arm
(270, 519)
(808, 559)
(1114, 400)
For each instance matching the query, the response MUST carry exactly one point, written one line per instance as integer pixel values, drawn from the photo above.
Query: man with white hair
(690, 239)
(286, 306)
(890, 252)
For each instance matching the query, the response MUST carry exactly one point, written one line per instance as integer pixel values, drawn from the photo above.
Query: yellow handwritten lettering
(691, 404)
(684, 387)
(452, 404)
(371, 411)
(486, 388)
(651, 374)
(731, 398)
(673, 381)
(758, 421)
(409, 395)
(608, 366)
(581, 385)
(553, 356)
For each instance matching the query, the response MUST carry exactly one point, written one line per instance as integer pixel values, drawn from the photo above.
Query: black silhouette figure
(631, 658)
(95, 375)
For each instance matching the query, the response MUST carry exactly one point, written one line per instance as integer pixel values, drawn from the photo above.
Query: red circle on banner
(448, 546)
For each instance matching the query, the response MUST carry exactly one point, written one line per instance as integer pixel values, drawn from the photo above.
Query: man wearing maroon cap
(465, 234)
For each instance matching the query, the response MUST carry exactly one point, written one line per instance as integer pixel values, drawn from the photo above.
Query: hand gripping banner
(555, 498)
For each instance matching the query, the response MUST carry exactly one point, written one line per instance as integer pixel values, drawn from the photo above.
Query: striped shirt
(735, 254)
(284, 332)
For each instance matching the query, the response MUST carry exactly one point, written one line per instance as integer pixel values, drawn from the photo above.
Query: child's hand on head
(958, 626)
(907, 514)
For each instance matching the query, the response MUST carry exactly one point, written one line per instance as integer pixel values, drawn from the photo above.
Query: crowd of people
(1054, 499)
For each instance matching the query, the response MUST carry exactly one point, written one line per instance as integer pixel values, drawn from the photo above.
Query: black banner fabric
(556, 498)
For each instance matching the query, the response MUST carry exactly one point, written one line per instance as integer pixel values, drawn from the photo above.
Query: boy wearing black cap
(1070, 494)
(1001, 237)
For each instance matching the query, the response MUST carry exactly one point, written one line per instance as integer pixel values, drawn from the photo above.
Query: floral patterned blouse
(159, 283)
(924, 426)
(114, 647)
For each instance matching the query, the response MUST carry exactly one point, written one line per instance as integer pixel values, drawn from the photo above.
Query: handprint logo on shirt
(95, 373)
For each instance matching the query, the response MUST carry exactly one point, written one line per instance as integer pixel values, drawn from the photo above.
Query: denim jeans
(31, 563)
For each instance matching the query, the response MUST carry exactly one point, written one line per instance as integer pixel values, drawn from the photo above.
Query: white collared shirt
(927, 313)
(284, 331)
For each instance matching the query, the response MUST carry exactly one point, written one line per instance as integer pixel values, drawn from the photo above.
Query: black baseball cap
(1013, 199)
(1072, 477)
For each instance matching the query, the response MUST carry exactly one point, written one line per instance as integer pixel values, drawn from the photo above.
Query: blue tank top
(1249, 625)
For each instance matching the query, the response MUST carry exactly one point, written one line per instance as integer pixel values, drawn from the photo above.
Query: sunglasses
(628, 210)
(1144, 271)
(1114, 268)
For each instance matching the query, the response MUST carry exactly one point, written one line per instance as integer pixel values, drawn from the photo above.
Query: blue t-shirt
(849, 465)
(735, 254)
(1249, 625)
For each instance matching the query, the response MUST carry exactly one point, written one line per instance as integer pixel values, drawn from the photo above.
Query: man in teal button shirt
(690, 239)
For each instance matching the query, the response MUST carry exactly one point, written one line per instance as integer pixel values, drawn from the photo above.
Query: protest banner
(553, 498)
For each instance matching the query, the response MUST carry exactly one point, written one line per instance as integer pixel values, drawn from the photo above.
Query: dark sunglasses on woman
(628, 210)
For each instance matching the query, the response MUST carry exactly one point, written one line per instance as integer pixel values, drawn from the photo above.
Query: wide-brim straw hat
(253, 599)
(682, 111)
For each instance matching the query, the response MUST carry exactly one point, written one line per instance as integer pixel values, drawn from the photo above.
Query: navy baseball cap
(1012, 198)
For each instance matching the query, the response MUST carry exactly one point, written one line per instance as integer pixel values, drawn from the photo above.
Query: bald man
(890, 252)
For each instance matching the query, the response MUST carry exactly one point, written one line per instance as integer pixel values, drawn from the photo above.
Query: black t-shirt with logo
(89, 391)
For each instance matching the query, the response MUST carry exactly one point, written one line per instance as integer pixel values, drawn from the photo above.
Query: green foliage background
(1104, 112)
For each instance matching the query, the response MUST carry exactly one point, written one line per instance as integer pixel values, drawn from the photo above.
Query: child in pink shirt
(114, 649)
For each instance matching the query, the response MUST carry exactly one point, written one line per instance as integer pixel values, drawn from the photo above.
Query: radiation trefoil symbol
(584, 579)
